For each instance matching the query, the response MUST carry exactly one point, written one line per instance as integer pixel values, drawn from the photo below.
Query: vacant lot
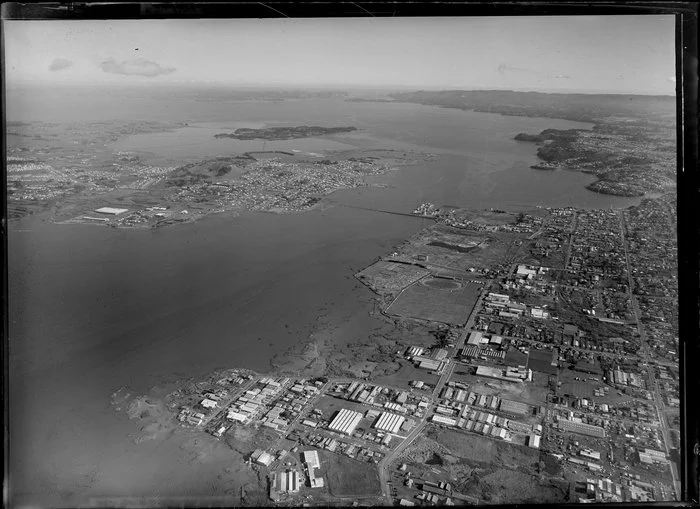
(407, 373)
(541, 361)
(437, 301)
(475, 448)
(349, 478)
(493, 471)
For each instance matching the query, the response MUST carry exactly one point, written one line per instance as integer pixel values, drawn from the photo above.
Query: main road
(646, 355)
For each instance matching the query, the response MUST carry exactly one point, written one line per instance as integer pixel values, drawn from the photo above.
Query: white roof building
(290, 481)
(209, 403)
(389, 422)
(345, 421)
(236, 416)
(440, 419)
(262, 457)
(474, 338)
(311, 459)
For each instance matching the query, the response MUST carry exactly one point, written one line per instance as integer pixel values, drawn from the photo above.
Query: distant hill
(576, 107)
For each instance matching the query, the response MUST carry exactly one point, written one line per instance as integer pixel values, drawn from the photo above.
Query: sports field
(437, 300)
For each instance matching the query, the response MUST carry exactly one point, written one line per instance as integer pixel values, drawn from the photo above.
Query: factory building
(345, 421)
(474, 338)
(289, 481)
(389, 422)
(514, 407)
(533, 441)
(440, 419)
(312, 463)
(261, 457)
(414, 351)
(581, 428)
(428, 363)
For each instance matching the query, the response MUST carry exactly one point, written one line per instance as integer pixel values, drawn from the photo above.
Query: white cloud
(137, 67)
(59, 64)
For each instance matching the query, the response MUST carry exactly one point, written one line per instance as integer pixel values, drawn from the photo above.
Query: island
(283, 133)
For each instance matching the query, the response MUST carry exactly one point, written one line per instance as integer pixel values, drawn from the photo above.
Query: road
(385, 463)
(658, 402)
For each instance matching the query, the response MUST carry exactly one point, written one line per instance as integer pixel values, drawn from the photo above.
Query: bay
(94, 309)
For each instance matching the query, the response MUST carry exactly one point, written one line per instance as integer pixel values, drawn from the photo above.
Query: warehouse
(389, 422)
(312, 463)
(290, 482)
(474, 338)
(428, 363)
(514, 407)
(533, 441)
(582, 428)
(447, 421)
(345, 421)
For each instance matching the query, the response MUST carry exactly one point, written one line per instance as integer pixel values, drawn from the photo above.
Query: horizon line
(333, 87)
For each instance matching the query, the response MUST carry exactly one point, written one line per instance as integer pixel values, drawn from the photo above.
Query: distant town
(551, 373)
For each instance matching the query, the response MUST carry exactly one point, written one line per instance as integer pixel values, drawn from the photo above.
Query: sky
(589, 54)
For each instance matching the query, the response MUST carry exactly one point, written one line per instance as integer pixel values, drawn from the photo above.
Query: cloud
(672, 79)
(505, 67)
(138, 67)
(59, 64)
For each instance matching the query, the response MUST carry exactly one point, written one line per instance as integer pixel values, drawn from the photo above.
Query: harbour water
(93, 309)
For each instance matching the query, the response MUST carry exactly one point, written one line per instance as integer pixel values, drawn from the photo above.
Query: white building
(389, 422)
(290, 481)
(345, 421)
(312, 463)
(209, 403)
(440, 419)
(262, 457)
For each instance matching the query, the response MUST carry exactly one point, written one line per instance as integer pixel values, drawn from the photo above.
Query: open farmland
(435, 300)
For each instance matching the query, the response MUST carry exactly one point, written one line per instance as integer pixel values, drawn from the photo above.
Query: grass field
(436, 304)
(405, 375)
(349, 478)
(541, 361)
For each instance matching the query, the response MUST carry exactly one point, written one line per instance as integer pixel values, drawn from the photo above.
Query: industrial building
(519, 374)
(111, 211)
(440, 419)
(533, 441)
(415, 350)
(208, 403)
(474, 338)
(428, 363)
(312, 463)
(261, 457)
(590, 454)
(345, 421)
(389, 422)
(581, 428)
(289, 481)
(514, 407)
